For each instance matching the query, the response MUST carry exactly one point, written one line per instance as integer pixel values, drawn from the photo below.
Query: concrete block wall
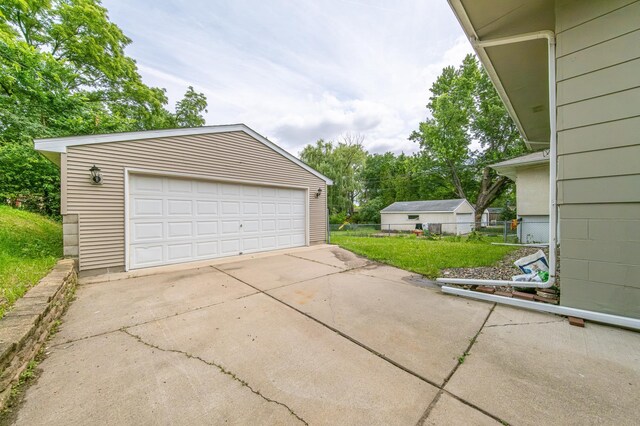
(70, 232)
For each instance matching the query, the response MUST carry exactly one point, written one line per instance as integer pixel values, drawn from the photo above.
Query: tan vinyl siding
(598, 71)
(231, 156)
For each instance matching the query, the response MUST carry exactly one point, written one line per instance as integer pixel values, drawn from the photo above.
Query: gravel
(503, 270)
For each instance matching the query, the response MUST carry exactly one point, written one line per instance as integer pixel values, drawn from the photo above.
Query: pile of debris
(523, 264)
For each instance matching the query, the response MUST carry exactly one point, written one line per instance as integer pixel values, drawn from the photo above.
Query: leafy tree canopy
(465, 108)
(64, 71)
(342, 162)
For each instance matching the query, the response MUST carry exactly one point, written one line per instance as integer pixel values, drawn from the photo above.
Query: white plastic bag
(533, 263)
(532, 277)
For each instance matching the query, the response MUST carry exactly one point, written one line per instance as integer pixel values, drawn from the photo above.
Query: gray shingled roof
(494, 209)
(423, 206)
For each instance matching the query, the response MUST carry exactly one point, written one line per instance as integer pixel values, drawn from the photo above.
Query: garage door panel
(284, 240)
(250, 244)
(230, 226)
(230, 208)
(266, 193)
(179, 207)
(207, 249)
(148, 255)
(179, 251)
(147, 207)
(284, 194)
(250, 226)
(174, 220)
(230, 247)
(251, 191)
(206, 229)
(268, 225)
(207, 188)
(206, 208)
(284, 208)
(284, 224)
(230, 189)
(146, 231)
(179, 229)
(180, 186)
(250, 208)
(297, 239)
(269, 242)
(147, 184)
(268, 208)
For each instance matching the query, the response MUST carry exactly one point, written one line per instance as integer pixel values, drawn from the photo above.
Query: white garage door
(175, 220)
(464, 222)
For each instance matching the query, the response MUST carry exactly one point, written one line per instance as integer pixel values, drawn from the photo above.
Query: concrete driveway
(320, 336)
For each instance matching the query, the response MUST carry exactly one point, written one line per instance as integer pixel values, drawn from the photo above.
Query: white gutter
(619, 321)
(553, 228)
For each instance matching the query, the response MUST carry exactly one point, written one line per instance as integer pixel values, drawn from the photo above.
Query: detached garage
(455, 216)
(142, 199)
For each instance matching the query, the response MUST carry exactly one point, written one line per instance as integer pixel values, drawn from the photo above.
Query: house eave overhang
(53, 147)
(518, 71)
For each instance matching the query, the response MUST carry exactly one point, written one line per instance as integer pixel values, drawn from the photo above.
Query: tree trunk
(489, 191)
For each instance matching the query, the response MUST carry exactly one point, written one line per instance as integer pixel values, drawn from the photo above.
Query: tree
(464, 108)
(189, 110)
(342, 162)
(64, 71)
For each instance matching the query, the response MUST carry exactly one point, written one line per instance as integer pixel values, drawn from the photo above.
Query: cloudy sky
(297, 71)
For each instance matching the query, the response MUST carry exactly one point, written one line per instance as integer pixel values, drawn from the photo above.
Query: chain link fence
(524, 232)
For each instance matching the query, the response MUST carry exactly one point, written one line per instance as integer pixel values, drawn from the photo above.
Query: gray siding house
(597, 109)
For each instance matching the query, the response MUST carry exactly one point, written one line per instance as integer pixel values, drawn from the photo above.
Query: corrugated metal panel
(233, 156)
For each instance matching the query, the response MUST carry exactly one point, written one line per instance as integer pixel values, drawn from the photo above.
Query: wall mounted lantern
(318, 192)
(96, 176)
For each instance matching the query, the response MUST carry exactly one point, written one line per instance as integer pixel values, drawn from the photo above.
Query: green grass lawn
(30, 244)
(426, 257)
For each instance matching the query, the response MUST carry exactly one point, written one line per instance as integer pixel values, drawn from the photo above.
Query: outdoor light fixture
(96, 176)
(318, 192)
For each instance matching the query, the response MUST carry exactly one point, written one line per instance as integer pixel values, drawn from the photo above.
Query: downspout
(550, 37)
(627, 322)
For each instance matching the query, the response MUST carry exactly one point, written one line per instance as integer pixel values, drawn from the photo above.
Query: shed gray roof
(423, 206)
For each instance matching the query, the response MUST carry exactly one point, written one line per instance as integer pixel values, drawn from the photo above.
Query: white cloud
(299, 71)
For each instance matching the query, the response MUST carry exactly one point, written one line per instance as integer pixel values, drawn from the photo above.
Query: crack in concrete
(384, 357)
(525, 323)
(66, 342)
(219, 367)
(316, 261)
(435, 400)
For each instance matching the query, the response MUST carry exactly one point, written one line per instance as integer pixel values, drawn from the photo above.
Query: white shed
(456, 216)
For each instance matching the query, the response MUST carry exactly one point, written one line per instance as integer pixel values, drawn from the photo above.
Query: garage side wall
(232, 156)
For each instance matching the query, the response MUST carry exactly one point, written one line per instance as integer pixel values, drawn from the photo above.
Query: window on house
(414, 216)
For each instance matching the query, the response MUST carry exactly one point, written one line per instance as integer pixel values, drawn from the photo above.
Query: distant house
(531, 175)
(456, 216)
(491, 215)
